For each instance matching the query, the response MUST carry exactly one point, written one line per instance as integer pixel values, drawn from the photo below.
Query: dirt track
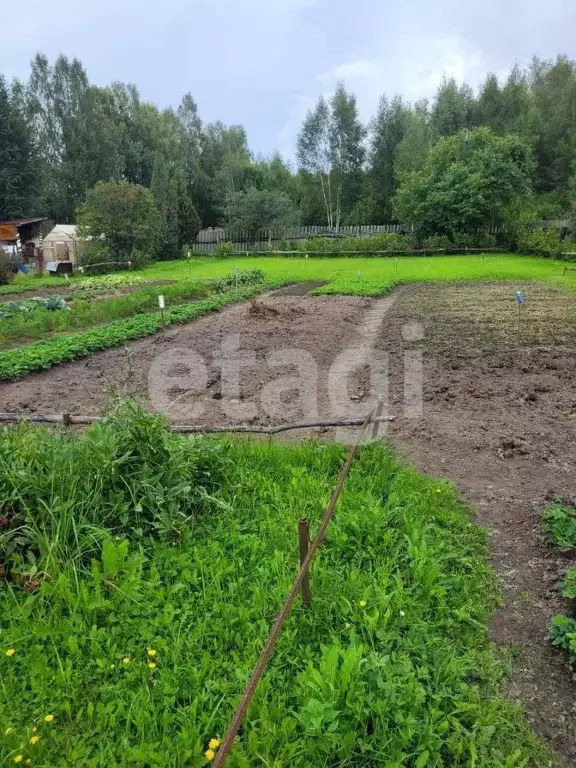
(499, 419)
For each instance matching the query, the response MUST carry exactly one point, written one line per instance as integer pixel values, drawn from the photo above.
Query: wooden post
(303, 541)
(377, 414)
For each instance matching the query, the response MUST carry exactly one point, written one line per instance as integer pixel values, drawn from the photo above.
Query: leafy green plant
(131, 647)
(238, 278)
(224, 250)
(559, 524)
(127, 476)
(563, 635)
(544, 242)
(568, 585)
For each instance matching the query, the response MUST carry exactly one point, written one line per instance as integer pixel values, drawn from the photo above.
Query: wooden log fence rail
(68, 419)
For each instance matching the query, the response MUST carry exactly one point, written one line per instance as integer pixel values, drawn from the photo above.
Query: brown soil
(499, 419)
(321, 326)
(298, 289)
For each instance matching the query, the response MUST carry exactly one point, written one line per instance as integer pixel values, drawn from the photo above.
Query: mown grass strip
(15, 363)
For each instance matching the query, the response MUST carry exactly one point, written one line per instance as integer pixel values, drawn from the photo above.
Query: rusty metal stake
(303, 540)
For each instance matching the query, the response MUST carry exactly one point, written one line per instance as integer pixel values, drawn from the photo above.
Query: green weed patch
(152, 566)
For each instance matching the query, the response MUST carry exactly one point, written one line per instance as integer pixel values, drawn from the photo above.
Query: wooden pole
(303, 539)
(376, 423)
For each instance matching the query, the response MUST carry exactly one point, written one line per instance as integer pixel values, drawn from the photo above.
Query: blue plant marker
(520, 297)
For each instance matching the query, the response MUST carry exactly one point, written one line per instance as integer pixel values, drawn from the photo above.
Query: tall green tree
(468, 181)
(258, 209)
(180, 221)
(416, 142)
(387, 130)
(122, 218)
(331, 150)
(554, 94)
(52, 96)
(453, 108)
(18, 167)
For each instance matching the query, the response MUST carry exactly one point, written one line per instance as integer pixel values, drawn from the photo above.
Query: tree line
(462, 160)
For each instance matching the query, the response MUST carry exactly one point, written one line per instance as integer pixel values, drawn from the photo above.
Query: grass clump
(138, 642)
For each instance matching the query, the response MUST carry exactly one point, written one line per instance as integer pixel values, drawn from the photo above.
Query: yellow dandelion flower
(8, 731)
(151, 665)
(210, 754)
(214, 743)
(126, 660)
(48, 718)
(18, 758)
(34, 729)
(151, 652)
(10, 652)
(34, 739)
(362, 603)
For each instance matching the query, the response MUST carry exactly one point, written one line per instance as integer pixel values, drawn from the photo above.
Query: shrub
(224, 250)
(543, 242)
(435, 242)
(474, 240)
(238, 278)
(559, 524)
(122, 216)
(341, 246)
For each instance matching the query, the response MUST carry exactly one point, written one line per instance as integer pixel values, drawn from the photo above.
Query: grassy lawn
(373, 276)
(145, 569)
(370, 276)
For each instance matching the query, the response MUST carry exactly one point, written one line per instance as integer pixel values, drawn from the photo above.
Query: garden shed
(62, 244)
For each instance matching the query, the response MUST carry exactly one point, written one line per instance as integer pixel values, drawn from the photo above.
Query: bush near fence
(376, 244)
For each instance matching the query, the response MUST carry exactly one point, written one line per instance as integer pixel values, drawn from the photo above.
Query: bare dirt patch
(319, 326)
(499, 419)
(299, 289)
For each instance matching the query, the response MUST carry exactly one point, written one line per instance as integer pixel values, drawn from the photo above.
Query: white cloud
(412, 66)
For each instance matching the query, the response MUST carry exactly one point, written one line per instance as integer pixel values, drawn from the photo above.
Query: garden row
(143, 570)
(559, 524)
(15, 363)
(29, 319)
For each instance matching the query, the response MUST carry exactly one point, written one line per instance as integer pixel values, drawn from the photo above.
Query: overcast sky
(263, 63)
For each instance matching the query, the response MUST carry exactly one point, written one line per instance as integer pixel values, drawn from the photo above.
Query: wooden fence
(266, 240)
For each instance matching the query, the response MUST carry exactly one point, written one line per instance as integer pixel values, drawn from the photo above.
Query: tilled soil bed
(499, 419)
